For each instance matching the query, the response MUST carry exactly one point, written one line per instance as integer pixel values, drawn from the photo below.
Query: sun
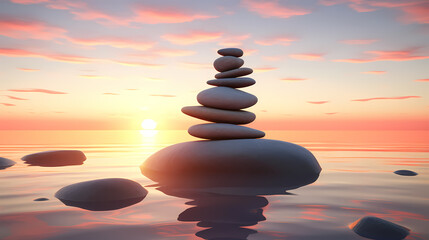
(148, 124)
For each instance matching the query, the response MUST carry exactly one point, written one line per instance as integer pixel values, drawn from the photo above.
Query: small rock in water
(219, 115)
(236, 52)
(5, 163)
(102, 194)
(232, 82)
(226, 63)
(226, 98)
(41, 199)
(234, 73)
(55, 158)
(379, 229)
(218, 131)
(406, 173)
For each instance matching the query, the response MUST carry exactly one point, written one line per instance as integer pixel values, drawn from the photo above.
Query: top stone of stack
(235, 52)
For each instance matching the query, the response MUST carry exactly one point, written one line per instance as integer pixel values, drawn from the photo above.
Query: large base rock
(233, 163)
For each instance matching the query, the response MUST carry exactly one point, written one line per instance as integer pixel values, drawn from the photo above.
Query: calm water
(357, 180)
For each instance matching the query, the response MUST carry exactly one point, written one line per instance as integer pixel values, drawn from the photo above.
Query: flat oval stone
(226, 63)
(236, 52)
(5, 163)
(233, 163)
(219, 115)
(102, 194)
(232, 82)
(219, 131)
(55, 158)
(234, 73)
(226, 98)
(377, 228)
(405, 173)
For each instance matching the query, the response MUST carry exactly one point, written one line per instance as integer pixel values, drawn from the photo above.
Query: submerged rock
(102, 194)
(379, 229)
(55, 158)
(233, 163)
(5, 163)
(405, 173)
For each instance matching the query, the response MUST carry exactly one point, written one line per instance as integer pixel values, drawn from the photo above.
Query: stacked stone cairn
(223, 104)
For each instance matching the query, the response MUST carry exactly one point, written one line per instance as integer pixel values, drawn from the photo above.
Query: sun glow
(148, 124)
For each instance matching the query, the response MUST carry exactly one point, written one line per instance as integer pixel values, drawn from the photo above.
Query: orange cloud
(233, 41)
(154, 15)
(28, 69)
(307, 56)
(359, 41)
(169, 52)
(139, 64)
(282, 40)
(294, 79)
(318, 102)
(375, 72)
(269, 9)
(36, 90)
(114, 42)
(192, 37)
(406, 55)
(422, 80)
(91, 76)
(264, 69)
(162, 95)
(13, 52)
(20, 29)
(384, 98)
(8, 104)
(16, 98)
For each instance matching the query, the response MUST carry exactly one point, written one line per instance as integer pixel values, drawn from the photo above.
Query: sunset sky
(319, 64)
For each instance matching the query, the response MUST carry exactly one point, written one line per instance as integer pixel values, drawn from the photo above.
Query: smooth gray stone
(42, 199)
(232, 82)
(102, 194)
(226, 98)
(57, 158)
(5, 163)
(234, 73)
(233, 163)
(406, 173)
(219, 115)
(379, 229)
(236, 52)
(221, 131)
(226, 63)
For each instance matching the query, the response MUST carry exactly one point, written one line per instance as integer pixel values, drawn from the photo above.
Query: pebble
(41, 199)
(232, 82)
(226, 63)
(233, 163)
(5, 163)
(102, 194)
(219, 131)
(379, 229)
(55, 158)
(219, 115)
(226, 98)
(236, 52)
(234, 73)
(405, 173)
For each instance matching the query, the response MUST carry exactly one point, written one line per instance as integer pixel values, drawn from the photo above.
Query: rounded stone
(102, 194)
(233, 163)
(405, 173)
(236, 52)
(219, 115)
(55, 158)
(226, 63)
(232, 82)
(220, 131)
(226, 98)
(42, 199)
(377, 228)
(5, 163)
(234, 73)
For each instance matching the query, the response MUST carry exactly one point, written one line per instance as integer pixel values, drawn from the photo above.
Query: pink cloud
(264, 69)
(294, 79)
(28, 69)
(162, 95)
(318, 102)
(269, 9)
(422, 80)
(156, 15)
(100, 17)
(272, 58)
(416, 14)
(20, 29)
(8, 104)
(307, 56)
(13, 52)
(375, 72)
(359, 41)
(331, 113)
(16, 98)
(233, 41)
(29, 1)
(114, 42)
(169, 52)
(384, 98)
(279, 40)
(139, 64)
(192, 37)
(37, 90)
(406, 55)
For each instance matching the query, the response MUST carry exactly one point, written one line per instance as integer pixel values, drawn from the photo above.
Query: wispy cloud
(37, 90)
(264, 69)
(162, 95)
(233, 40)
(155, 15)
(269, 9)
(422, 80)
(8, 104)
(13, 52)
(291, 79)
(192, 37)
(109, 93)
(21, 29)
(170, 52)
(359, 41)
(91, 76)
(307, 56)
(29, 1)
(318, 102)
(384, 98)
(116, 42)
(398, 56)
(374, 72)
(331, 113)
(28, 69)
(278, 40)
(139, 64)
(197, 65)
(16, 98)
